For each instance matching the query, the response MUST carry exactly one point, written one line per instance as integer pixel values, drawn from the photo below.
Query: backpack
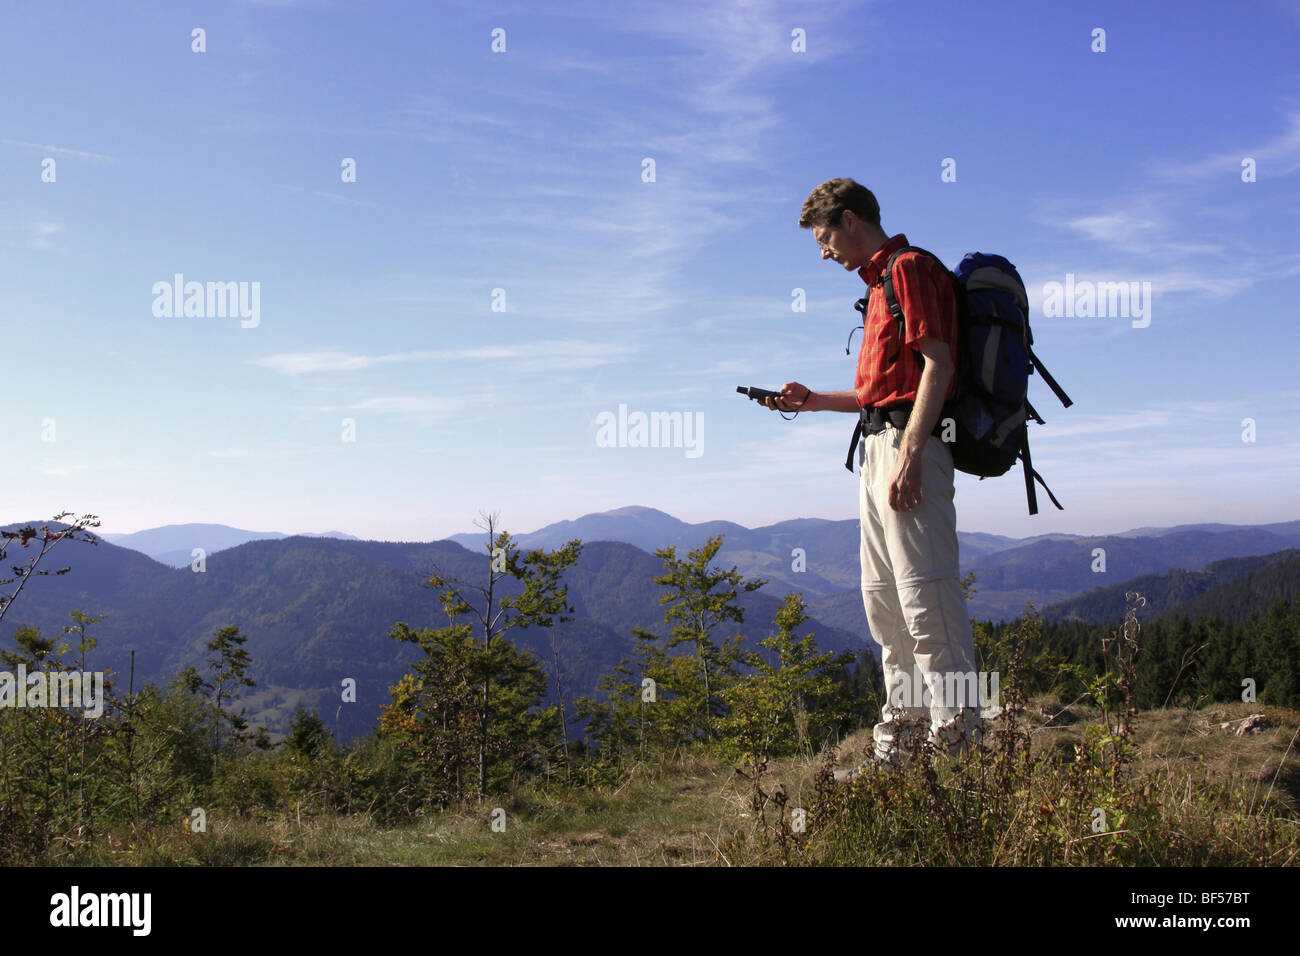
(990, 407)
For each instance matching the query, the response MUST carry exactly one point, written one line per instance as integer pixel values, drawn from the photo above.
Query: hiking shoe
(874, 762)
(846, 776)
(958, 735)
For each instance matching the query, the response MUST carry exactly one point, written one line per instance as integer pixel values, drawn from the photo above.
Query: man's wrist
(846, 401)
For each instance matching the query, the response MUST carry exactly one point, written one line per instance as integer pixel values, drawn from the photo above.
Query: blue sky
(522, 171)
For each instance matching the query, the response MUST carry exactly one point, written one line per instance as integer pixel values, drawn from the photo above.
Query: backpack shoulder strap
(891, 299)
(887, 280)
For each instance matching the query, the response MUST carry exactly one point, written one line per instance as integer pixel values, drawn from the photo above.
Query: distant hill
(1047, 572)
(1056, 575)
(1178, 589)
(1284, 529)
(173, 544)
(830, 548)
(317, 610)
(1240, 596)
(1010, 572)
(646, 528)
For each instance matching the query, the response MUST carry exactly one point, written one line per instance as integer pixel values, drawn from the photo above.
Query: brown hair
(826, 204)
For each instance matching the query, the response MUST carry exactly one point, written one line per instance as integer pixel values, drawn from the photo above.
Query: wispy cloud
(226, 453)
(63, 151)
(1165, 234)
(1278, 156)
(1164, 418)
(1113, 227)
(553, 354)
(707, 79)
(1164, 278)
(397, 405)
(42, 234)
(68, 469)
(1134, 243)
(332, 197)
(1144, 224)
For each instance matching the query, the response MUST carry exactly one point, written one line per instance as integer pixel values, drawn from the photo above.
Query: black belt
(872, 421)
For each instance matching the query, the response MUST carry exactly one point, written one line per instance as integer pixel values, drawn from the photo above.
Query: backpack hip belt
(872, 420)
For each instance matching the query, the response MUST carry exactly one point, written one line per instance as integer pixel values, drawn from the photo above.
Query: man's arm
(930, 394)
(844, 401)
(905, 488)
(800, 398)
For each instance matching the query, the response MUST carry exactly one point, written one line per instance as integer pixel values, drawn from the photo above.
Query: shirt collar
(870, 273)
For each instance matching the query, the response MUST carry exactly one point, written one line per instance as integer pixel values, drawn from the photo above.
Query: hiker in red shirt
(911, 587)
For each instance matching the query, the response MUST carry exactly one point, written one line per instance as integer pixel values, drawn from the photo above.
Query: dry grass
(1191, 793)
(1206, 792)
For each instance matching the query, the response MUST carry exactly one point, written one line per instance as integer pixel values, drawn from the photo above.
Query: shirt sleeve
(924, 291)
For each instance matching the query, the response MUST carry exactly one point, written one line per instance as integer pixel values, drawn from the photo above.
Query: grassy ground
(697, 811)
(673, 814)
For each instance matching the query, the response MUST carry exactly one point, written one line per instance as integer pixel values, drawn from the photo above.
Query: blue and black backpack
(990, 408)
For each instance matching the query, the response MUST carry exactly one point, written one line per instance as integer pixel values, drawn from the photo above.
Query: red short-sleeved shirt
(925, 292)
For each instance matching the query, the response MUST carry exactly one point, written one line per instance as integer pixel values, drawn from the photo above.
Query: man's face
(838, 243)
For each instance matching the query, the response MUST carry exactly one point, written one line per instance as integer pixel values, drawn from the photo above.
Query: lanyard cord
(801, 404)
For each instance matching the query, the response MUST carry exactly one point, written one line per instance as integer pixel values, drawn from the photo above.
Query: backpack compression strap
(853, 445)
(1031, 476)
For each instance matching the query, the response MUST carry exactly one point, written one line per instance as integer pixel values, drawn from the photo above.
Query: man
(911, 585)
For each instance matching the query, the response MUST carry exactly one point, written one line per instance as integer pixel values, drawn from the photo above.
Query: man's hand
(794, 398)
(905, 489)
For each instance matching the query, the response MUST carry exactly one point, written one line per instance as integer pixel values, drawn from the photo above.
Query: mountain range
(1009, 572)
(318, 609)
(173, 544)
(1229, 590)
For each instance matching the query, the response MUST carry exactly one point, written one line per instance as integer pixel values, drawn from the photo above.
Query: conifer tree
(470, 669)
(791, 699)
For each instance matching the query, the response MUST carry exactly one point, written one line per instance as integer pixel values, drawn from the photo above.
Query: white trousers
(911, 589)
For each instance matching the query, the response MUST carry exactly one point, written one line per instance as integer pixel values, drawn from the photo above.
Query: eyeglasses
(821, 243)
